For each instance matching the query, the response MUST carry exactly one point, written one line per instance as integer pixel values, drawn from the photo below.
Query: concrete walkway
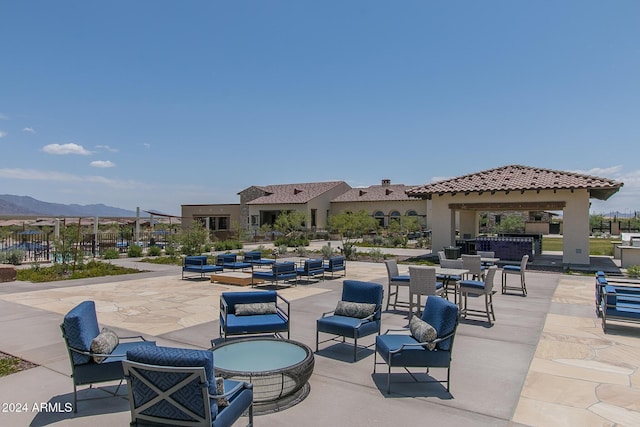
(545, 362)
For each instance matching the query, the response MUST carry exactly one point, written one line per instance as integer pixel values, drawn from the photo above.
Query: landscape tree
(351, 227)
(511, 224)
(193, 238)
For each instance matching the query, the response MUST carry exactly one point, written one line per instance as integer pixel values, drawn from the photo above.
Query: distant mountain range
(24, 205)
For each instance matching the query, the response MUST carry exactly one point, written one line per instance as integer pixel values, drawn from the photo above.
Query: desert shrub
(301, 251)
(167, 260)
(170, 250)
(633, 271)
(13, 256)
(111, 254)
(135, 251)
(291, 242)
(154, 251)
(227, 245)
(61, 272)
(327, 251)
(376, 255)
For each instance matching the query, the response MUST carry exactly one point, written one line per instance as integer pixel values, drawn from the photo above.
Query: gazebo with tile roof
(515, 188)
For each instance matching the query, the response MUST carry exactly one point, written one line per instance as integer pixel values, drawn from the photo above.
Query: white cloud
(440, 178)
(107, 148)
(3, 117)
(28, 129)
(39, 175)
(2, 134)
(102, 164)
(147, 145)
(70, 148)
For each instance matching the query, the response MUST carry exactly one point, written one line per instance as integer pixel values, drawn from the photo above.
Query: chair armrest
(396, 330)
(234, 390)
(326, 313)
(224, 308)
(367, 319)
(133, 337)
(286, 302)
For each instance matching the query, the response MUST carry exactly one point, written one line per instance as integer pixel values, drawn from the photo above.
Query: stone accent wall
(7, 273)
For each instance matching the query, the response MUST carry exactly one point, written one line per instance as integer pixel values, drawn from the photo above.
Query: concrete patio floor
(545, 361)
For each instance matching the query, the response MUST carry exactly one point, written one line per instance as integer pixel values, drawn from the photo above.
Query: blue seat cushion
(346, 326)
(475, 284)
(511, 268)
(411, 357)
(400, 278)
(255, 324)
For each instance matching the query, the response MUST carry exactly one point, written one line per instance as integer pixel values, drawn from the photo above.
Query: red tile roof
(518, 178)
(293, 193)
(376, 193)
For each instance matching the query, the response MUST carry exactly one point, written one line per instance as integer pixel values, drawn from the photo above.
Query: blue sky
(154, 104)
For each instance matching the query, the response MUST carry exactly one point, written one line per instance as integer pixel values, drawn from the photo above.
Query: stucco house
(384, 202)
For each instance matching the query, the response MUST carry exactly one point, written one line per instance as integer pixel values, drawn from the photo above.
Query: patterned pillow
(358, 310)
(222, 401)
(104, 343)
(423, 332)
(256, 308)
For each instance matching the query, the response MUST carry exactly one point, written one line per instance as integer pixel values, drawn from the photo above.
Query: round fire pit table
(279, 369)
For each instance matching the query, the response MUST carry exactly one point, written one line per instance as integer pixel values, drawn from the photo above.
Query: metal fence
(40, 247)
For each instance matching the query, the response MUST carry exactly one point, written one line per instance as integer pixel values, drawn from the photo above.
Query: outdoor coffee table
(235, 278)
(278, 369)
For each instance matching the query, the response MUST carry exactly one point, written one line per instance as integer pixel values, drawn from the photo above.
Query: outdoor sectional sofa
(198, 264)
(253, 312)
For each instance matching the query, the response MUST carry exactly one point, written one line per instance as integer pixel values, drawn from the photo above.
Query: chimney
(386, 182)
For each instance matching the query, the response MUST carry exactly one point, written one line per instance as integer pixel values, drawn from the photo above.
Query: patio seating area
(544, 361)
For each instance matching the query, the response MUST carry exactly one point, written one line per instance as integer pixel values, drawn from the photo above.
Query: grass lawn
(597, 246)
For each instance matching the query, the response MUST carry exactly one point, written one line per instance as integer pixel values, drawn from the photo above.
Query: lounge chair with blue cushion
(357, 314)
(255, 312)
(427, 343)
(178, 387)
(96, 356)
(336, 264)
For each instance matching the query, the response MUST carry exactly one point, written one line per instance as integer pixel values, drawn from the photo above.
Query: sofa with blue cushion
(281, 272)
(336, 264)
(79, 329)
(198, 264)
(255, 258)
(263, 312)
(231, 262)
(311, 268)
(177, 386)
(617, 299)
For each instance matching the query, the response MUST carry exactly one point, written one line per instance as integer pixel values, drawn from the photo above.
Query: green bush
(170, 250)
(14, 256)
(633, 271)
(227, 245)
(154, 251)
(135, 251)
(167, 260)
(301, 251)
(61, 271)
(292, 242)
(111, 254)
(327, 251)
(376, 255)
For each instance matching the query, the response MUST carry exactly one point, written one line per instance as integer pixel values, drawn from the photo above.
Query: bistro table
(449, 276)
